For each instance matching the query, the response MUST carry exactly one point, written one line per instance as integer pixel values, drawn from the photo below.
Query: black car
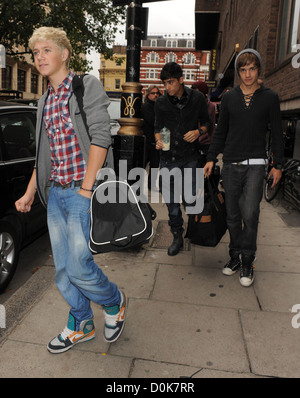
(17, 158)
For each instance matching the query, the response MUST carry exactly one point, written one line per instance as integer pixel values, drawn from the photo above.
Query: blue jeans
(172, 189)
(78, 277)
(243, 187)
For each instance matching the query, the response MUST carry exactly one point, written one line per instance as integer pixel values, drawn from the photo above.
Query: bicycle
(290, 183)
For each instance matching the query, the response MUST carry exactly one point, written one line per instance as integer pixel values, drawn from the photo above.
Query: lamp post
(129, 143)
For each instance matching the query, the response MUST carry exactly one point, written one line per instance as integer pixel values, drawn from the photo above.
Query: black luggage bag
(208, 227)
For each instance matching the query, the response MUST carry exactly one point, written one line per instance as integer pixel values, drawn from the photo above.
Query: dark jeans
(243, 187)
(170, 191)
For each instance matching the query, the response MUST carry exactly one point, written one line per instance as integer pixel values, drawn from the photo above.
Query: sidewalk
(184, 316)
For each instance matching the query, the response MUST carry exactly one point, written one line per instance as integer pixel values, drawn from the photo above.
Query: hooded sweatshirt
(241, 131)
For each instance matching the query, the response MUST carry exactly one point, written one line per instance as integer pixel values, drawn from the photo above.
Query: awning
(207, 27)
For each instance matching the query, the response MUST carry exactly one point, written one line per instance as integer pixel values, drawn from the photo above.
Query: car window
(17, 135)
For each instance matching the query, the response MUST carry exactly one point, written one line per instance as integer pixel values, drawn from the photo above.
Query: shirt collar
(66, 83)
(182, 100)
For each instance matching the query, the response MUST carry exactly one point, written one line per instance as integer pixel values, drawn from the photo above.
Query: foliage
(89, 24)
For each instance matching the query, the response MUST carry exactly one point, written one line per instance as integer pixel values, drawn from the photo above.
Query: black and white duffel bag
(119, 220)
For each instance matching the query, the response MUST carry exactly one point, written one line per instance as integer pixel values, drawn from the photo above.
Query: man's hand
(276, 175)
(208, 169)
(24, 203)
(159, 145)
(191, 136)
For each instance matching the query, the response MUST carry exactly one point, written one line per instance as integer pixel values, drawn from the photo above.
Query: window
(152, 74)
(7, 77)
(188, 74)
(189, 59)
(153, 43)
(295, 28)
(153, 58)
(18, 135)
(34, 83)
(170, 57)
(21, 80)
(117, 84)
(172, 43)
(189, 44)
(289, 38)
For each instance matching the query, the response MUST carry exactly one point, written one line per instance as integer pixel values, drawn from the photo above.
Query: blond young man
(67, 162)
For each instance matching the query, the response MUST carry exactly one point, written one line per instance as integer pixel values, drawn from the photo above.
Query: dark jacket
(180, 117)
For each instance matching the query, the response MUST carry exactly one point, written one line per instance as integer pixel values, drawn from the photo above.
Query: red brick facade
(156, 51)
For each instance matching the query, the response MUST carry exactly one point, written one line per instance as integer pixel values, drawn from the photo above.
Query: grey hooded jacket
(95, 103)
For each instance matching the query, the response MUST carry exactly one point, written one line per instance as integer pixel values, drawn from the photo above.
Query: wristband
(87, 190)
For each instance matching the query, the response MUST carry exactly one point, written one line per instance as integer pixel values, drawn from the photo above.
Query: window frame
(285, 33)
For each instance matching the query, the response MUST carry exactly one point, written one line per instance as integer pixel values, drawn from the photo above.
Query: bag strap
(213, 191)
(78, 88)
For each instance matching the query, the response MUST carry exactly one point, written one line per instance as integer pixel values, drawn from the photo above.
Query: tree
(89, 24)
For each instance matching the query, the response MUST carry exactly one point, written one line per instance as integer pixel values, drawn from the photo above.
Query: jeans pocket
(83, 202)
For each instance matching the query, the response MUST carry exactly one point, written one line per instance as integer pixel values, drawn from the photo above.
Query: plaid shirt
(66, 157)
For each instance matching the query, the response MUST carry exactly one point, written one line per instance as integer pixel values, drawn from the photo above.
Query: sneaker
(115, 320)
(246, 276)
(69, 336)
(232, 266)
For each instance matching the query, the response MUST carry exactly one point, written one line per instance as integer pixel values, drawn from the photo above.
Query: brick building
(157, 50)
(273, 28)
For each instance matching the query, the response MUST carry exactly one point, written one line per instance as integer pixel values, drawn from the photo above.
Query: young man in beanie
(246, 112)
(184, 112)
(67, 162)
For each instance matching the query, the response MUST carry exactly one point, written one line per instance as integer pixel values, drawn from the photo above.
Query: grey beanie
(248, 50)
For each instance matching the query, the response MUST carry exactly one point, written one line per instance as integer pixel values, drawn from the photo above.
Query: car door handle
(21, 178)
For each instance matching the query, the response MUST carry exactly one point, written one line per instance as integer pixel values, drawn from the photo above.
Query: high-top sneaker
(115, 319)
(70, 336)
(246, 273)
(233, 264)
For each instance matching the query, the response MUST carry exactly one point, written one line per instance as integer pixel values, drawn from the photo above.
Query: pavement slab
(272, 343)
(183, 334)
